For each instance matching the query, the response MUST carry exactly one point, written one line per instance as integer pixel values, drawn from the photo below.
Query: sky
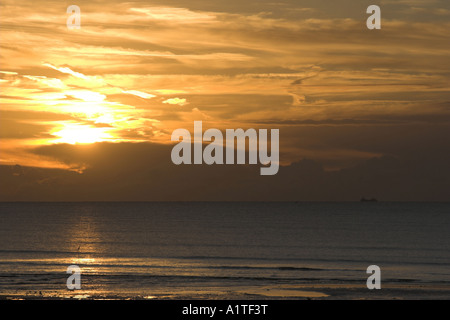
(87, 114)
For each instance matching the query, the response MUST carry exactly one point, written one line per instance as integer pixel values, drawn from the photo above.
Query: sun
(75, 133)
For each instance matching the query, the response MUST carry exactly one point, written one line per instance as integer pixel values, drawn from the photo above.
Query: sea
(223, 250)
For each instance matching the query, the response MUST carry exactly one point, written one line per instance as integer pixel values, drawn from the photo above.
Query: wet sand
(284, 292)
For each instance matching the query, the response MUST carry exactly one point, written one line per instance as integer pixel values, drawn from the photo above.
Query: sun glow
(74, 133)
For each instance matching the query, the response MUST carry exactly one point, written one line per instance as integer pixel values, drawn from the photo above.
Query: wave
(167, 280)
(145, 266)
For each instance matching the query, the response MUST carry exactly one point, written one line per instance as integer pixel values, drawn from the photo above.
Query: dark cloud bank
(144, 172)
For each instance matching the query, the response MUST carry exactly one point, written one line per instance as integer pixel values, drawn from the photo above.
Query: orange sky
(135, 71)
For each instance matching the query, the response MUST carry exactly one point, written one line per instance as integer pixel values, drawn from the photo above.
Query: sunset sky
(87, 114)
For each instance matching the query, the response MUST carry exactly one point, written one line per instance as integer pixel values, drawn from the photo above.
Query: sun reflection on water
(82, 240)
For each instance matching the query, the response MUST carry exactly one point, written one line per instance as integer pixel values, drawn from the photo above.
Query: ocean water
(218, 249)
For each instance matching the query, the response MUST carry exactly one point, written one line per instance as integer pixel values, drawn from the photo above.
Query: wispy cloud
(66, 70)
(178, 101)
(141, 94)
(179, 15)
